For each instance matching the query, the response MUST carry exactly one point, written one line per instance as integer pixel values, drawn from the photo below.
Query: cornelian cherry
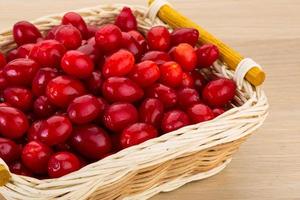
(3, 81)
(35, 156)
(42, 107)
(12, 55)
(136, 134)
(77, 21)
(9, 150)
(19, 168)
(207, 55)
(199, 80)
(77, 64)
(108, 38)
(33, 131)
(25, 32)
(41, 79)
(92, 29)
(159, 38)
(164, 93)
(171, 74)
(18, 97)
(129, 43)
(126, 21)
(199, 113)
(151, 111)
(218, 111)
(184, 35)
(91, 141)
(159, 57)
(2, 60)
(69, 36)
(120, 115)
(140, 39)
(94, 83)
(185, 56)
(187, 97)
(187, 80)
(174, 120)
(24, 50)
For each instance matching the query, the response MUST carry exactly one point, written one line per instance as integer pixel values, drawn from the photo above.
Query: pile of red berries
(81, 92)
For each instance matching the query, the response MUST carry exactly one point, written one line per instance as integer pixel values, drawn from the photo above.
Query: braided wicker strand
(161, 164)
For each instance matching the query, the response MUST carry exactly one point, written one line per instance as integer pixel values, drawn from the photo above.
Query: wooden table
(268, 164)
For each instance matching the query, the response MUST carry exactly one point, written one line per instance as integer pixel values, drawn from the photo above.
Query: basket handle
(255, 75)
(4, 173)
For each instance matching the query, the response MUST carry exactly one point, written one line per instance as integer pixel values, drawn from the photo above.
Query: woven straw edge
(257, 96)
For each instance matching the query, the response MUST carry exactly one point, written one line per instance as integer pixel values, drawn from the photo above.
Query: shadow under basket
(159, 165)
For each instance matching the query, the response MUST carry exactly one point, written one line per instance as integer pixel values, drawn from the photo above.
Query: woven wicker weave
(161, 164)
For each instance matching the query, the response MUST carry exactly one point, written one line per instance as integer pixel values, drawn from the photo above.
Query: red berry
(76, 63)
(207, 55)
(118, 64)
(63, 89)
(25, 32)
(12, 55)
(18, 97)
(159, 38)
(140, 39)
(198, 80)
(19, 169)
(69, 36)
(151, 111)
(91, 31)
(5, 104)
(108, 38)
(137, 133)
(120, 115)
(91, 142)
(51, 33)
(159, 57)
(218, 111)
(2, 60)
(185, 56)
(126, 21)
(13, 123)
(187, 97)
(164, 93)
(199, 113)
(76, 20)
(171, 74)
(94, 53)
(103, 106)
(84, 109)
(42, 107)
(24, 50)
(35, 156)
(129, 43)
(145, 73)
(48, 53)
(184, 35)
(94, 83)
(174, 120)
(62, 163)
(9, 150)
(3, 81)
(219, 92)
(187, 80)
(121, 89)
(55, 130)
(41, 79)
(32, 134)
(20, 71)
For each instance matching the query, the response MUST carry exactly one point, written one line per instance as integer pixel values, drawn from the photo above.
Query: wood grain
(268, 165)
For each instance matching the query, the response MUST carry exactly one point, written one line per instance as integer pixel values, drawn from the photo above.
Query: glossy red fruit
(51, 33)
(159, 38)
(9, 150)
(218, 111)
(185, 56)
(69, 36)
(137, 133)
(3, 81)
(77, 64)
(93, 52)
(151, 111)
(140, 39)
(18, 97)
(25, 32)
(164, 93)
(33, 131)
(24, 50)
(174, 120)
(12, 55)
(126, 21)
(91, 142)
(199, 80)
(13, 123)
(207, 55)
(129, 43)
(187, 97)
(116, 89)
(219, 92)
(48, 53)
(84, 109)
(91, 31)
(159, 57)
(76, 20)
(2, 60)
(118, 64)
(187, 80)
(94, 83)
(55, 130)
(145, 73)
(42, 107)
(5, 104)
(19, 169)
(171, 74)
(103, 106)
(63, 89)
(20, 71)
(35, 156)
(108, 38)
(62, 163)
(184, 35)
(41, 79)
(120, 115)
(199, 113)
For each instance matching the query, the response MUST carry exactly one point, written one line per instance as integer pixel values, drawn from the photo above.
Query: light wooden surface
(268, 164)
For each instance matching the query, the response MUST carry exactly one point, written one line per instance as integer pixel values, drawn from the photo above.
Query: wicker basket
(159, 165)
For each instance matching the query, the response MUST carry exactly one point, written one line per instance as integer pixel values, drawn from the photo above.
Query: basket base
(173, 185)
